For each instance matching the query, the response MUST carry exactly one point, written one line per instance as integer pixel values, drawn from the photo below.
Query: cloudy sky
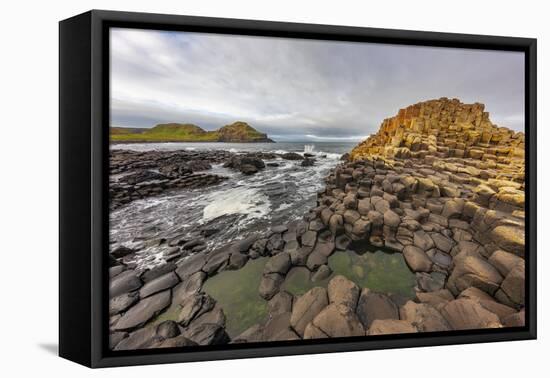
(296, 89)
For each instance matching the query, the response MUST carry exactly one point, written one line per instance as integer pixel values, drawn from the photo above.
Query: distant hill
(238, 132)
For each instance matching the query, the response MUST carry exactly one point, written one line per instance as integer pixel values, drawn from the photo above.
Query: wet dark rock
(121, 251)
(122, 302)
(194, 306)
(175, 342)
(168, 329)
(116, 270)
(280, 303)
(123, 283)
(158, 271)
(292, 156)
(190, 265)
(270, 285)
(207, 334)
(372, 306)
(141, 339)
(193, 243)
(279, 263)
(161, 283)
(143, 311)
(191, 285)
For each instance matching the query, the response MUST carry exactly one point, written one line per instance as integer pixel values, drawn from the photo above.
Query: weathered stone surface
(435, 298)
(278, 328)
(279, 263)
(343, 291)
(391, 219)
(390, 327)
(158, 271)
(207, 334)
(424, 317)
(488, 302)
(270, 285)
(280, 303)
(473, 271)
(372, 306)
(510, 239)
(191, 285)
(161, 283)
(513, 287)
(416, 259)
(309, 238)
(168, 329)
(122, 302)
(175, 342)
(300, 255)
(469, 314)
(515, 320)
(338, 320)
(124, 283)
(143, 311)
(504, 261)
(194, 306)
(190, 265)
(312, 332)
(250, 335)
(306, 307)
(141, 339)
(423, 240)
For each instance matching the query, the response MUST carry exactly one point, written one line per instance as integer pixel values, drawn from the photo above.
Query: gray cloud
(299, 89)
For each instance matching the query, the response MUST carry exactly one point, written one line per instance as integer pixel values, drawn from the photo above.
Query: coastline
(454, 217)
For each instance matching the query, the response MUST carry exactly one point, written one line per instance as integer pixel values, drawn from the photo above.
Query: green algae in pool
(379, 271)
(237, 293)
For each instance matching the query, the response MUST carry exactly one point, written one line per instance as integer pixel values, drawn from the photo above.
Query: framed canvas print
(233, 188)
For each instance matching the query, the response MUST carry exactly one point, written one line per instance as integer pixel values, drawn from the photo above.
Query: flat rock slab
(469, 314)
(159, 284)
(390, 327)
(338, 320)
(207, 334)
(373, 306)
(122, 302)
(306, 307)
(190, 265)
(143, 311)
(123, 283)
(343, 291)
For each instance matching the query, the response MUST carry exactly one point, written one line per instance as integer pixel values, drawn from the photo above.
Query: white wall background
(29, 189)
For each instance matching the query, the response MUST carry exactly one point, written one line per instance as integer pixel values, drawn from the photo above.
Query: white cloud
(293, 87)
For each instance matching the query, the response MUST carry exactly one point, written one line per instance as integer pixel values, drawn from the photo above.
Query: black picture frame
(83, 180)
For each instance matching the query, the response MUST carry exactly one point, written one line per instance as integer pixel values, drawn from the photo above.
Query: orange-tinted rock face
(446, 128)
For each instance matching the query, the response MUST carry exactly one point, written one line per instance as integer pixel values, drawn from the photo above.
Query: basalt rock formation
(438, 183)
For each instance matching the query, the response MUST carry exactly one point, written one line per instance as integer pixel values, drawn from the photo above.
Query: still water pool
(237, 291)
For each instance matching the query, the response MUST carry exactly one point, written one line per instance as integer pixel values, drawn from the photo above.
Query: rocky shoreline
(438, 183)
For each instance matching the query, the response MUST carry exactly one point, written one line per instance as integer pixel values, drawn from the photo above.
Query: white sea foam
(239, 200)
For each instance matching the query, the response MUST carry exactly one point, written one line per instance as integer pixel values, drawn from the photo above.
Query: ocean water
(235, 208)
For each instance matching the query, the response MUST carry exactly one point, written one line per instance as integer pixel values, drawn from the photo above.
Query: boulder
(504, 261)
(292, 156)
(279, 263)
(390, 327)
(312, 332)
(424, 317)
(143, 311)
(270, 285)
(391, 219)
(436, 298)
(473, 271)
(168, 329)
(510, 239)
(343, 291)
(416, 259)
(161, 283)
(193, 307)
(372, 306)
(174, 342)
(322, 273)
(192, 285)
(158, 271)
(141, 339)
(280, 303)
(469, 314)
(512, 289)
(207, 334)
(338, 320)
(306, 307)
(122, 302)
(190, 265)
(124, 283)
(422, 240)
